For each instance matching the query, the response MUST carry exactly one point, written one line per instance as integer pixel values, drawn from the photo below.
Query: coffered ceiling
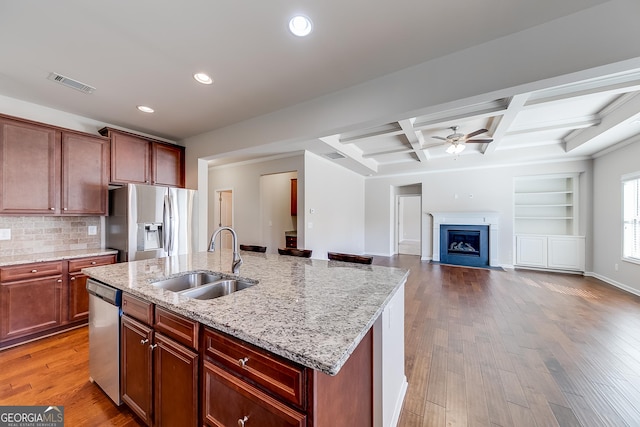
(575, 120)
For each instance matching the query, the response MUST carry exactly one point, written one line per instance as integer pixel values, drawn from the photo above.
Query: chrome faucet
(237, 261)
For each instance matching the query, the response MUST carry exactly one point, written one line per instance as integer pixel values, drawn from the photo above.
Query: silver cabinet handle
(34, 271)
(59, 280)
(153, 346)
(64, 209)
(52, 209)
(243, 362)
(73, 278)
(93, 263)
(242, 421)
(144, 341)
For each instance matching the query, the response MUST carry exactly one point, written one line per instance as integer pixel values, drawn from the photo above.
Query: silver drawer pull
(52, 209)
(73, 278)
(34, 271)
(144, 341)
(241, 422)
(93, 263)
(243, 362)
(59, 280)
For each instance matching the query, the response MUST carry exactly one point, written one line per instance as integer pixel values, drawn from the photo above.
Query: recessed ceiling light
(145, 109)
(300, 25)
(203, 78)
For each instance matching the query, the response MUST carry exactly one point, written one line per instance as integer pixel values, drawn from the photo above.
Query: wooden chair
(359, 259)
(304, 253)
(253, 248)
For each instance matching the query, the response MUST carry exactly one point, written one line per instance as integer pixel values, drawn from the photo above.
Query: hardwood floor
(483, 348)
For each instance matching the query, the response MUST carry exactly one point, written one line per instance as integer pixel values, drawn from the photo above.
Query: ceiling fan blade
(480, 141)
(478, 132)
(439, 137)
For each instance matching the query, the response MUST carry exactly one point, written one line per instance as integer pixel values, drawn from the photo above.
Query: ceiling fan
(457, 141)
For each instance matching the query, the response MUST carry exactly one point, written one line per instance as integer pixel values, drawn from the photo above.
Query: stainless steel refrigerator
(147, 221)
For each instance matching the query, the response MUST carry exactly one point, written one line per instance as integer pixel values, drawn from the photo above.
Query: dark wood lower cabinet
(136, 368)
(229, 401)
(30, 306)
(159, 375)
(175, 383)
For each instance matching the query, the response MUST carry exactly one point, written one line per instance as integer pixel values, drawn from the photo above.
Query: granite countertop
(6, 261)
(313, 312)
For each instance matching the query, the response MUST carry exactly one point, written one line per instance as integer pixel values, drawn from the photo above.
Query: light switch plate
(5, 234)
(93, 230)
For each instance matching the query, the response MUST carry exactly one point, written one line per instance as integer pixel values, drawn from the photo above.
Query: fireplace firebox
(464, 245)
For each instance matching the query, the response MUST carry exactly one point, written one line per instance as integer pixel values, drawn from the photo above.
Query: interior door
(225, 216)
(409, 225)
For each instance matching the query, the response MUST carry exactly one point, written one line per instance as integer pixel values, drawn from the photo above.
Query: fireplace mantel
(467, 218)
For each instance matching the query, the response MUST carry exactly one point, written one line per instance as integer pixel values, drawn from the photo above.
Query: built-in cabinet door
(30, 306)
(136, 367)
(85, 174)
(130, 159)
(531, 251)
(566, 253)
(29, 168)
(175, 383)
(78, 297)
(168, 165)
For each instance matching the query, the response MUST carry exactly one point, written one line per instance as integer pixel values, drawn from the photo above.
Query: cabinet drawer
(28, 271)
(275, 374)
(181, 329)
(227, 400)
(79, 264)
(137, 308)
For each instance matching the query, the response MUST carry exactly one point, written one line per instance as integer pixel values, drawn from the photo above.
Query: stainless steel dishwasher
(104, 337)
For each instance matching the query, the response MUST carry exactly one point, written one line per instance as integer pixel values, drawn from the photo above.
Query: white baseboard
(399, 402)
(613, 283)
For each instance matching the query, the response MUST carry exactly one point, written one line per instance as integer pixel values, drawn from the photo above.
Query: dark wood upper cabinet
(85, 174)
(29, 168)
(168, 165)
(294, 197)
(45, 170)
(141, 160)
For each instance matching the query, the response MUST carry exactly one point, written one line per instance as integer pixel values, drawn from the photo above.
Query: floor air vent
(73, 84)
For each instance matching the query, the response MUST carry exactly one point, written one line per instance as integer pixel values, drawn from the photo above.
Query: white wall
(336, 196)
(244, 181)
(480, 189)
(607, 217)
(275, 209)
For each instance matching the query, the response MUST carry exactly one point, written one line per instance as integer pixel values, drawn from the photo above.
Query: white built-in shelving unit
(546, 222)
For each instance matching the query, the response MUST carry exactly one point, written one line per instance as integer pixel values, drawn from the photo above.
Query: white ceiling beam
(618, 113)
(500, 126)
(390, 129)
(350, 151)
(384, 153)
(571, 123)
(413, 138)
(478, 111)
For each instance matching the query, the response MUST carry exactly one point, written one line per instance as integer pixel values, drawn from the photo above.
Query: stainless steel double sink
(202, 285)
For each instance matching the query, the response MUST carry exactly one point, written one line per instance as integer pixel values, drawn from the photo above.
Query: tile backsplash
(36, 234)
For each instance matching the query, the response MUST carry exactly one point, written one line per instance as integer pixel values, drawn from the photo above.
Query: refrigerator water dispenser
(150, 236)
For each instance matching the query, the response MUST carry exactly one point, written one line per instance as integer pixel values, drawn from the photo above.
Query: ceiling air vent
(335, 155)
(73, 84)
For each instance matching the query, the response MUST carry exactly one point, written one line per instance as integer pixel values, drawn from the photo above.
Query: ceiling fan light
(460, 148)
(451, 149)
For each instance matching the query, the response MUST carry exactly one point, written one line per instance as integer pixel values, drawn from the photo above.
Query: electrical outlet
(615, 266)
(93, 230)
(5, 234)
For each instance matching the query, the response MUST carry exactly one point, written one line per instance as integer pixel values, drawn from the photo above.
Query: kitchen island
(314, 313)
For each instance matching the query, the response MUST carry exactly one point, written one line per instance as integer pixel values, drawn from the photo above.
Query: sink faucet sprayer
(237, 261)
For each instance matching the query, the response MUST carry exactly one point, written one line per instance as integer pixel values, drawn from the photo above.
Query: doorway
(223, 216)
(409, 227)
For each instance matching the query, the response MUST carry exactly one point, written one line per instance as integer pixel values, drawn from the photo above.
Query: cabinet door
(85, 174)
(175, 383)
(294, 197)
(130, 159)
(168, 165)
(531, 251)
(136, 367)
(30, 306)
(566, 253)
(227, 400)
(78, 297)
(29, 168)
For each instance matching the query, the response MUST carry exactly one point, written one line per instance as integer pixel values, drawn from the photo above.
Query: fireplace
(464, 245)
(466, 227)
